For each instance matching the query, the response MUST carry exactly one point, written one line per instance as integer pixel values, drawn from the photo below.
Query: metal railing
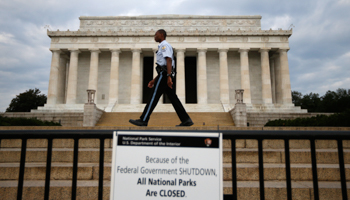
(339, 136)
(50, 135)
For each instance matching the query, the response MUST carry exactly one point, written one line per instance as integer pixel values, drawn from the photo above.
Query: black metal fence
(339, 136)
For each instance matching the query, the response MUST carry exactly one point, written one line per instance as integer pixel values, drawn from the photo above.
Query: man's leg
(157, 92)
(180, 110)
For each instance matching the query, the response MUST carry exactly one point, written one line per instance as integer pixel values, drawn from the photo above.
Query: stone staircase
(167, 119)
(260, 119)
(247, 169)
(67, 119)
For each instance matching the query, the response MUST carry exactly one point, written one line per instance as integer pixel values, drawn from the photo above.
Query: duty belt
(163, 68)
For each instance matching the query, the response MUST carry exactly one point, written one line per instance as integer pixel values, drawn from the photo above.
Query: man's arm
(151, 83)
(169, 67)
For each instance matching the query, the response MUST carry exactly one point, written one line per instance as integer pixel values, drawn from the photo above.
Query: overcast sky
(319, 57)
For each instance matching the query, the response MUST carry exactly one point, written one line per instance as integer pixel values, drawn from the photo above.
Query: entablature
(171, 32)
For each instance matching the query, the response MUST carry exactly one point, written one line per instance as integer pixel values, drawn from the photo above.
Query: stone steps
(246, 190)
(164, 119)
(66, 119)
(245, 171)
(323, 156)
(243, 155)
(276, 190)
(260, 119)
(56, 143)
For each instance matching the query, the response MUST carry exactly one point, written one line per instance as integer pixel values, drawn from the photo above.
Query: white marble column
(245, 79)
(273, 79)
(224, 85)
(155, 72)
(136, 79)
(72, 77)
(202, 91)
(62, 73)
(180, 76)
(286, 87)
(54, 73)
(114, 77)
(93, 75)
(265, 76)
(278, 78)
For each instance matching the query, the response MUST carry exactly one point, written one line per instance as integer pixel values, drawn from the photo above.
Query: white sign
(154, 165)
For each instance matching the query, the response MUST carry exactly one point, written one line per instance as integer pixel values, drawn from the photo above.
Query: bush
(337, 120)
(21, 121)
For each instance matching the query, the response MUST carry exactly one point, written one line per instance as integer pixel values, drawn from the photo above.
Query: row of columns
(274, 75)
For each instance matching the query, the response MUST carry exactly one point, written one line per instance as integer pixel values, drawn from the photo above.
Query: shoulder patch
(163, 48)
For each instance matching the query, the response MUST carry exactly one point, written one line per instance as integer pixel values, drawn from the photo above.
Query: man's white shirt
(165, 50)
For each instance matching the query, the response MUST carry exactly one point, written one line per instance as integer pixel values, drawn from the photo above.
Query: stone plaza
(215, 56)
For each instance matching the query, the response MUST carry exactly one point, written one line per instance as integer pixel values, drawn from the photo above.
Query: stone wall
(66, 119)
(91, 115)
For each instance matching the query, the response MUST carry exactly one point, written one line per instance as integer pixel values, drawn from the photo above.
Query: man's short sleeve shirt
(165, 50)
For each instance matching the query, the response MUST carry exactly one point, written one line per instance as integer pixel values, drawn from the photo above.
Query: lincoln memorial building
(214, 56)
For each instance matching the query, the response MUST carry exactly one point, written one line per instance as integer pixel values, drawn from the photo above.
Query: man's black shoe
(138, 122)
(186, 123)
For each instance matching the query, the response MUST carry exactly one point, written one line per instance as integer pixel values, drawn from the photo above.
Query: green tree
(311, 102)
(26, 101)
(296, 98)
(335, 101)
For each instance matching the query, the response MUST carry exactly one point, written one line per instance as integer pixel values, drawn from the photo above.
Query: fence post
(342, 170)
(48, 169)
(21, 169)
(75, 169)
(314, 168)
(288, 176)
(101, 166)
(261, 170)
(234, 168)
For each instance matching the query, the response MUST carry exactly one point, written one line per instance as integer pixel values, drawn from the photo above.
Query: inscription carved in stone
(74, 39)
(284, 39)
(223, 39)
(136, 39)
(265, 39)
(94, 39)
(202, 39)
(55, 40)
(115, 39)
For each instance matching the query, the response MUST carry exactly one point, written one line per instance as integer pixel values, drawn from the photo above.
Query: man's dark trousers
(160, 87)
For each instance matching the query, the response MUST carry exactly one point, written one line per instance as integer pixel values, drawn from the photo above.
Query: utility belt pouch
(160, 68)
(163, 68)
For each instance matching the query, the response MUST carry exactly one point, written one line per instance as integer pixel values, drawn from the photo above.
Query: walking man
(163, 83)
